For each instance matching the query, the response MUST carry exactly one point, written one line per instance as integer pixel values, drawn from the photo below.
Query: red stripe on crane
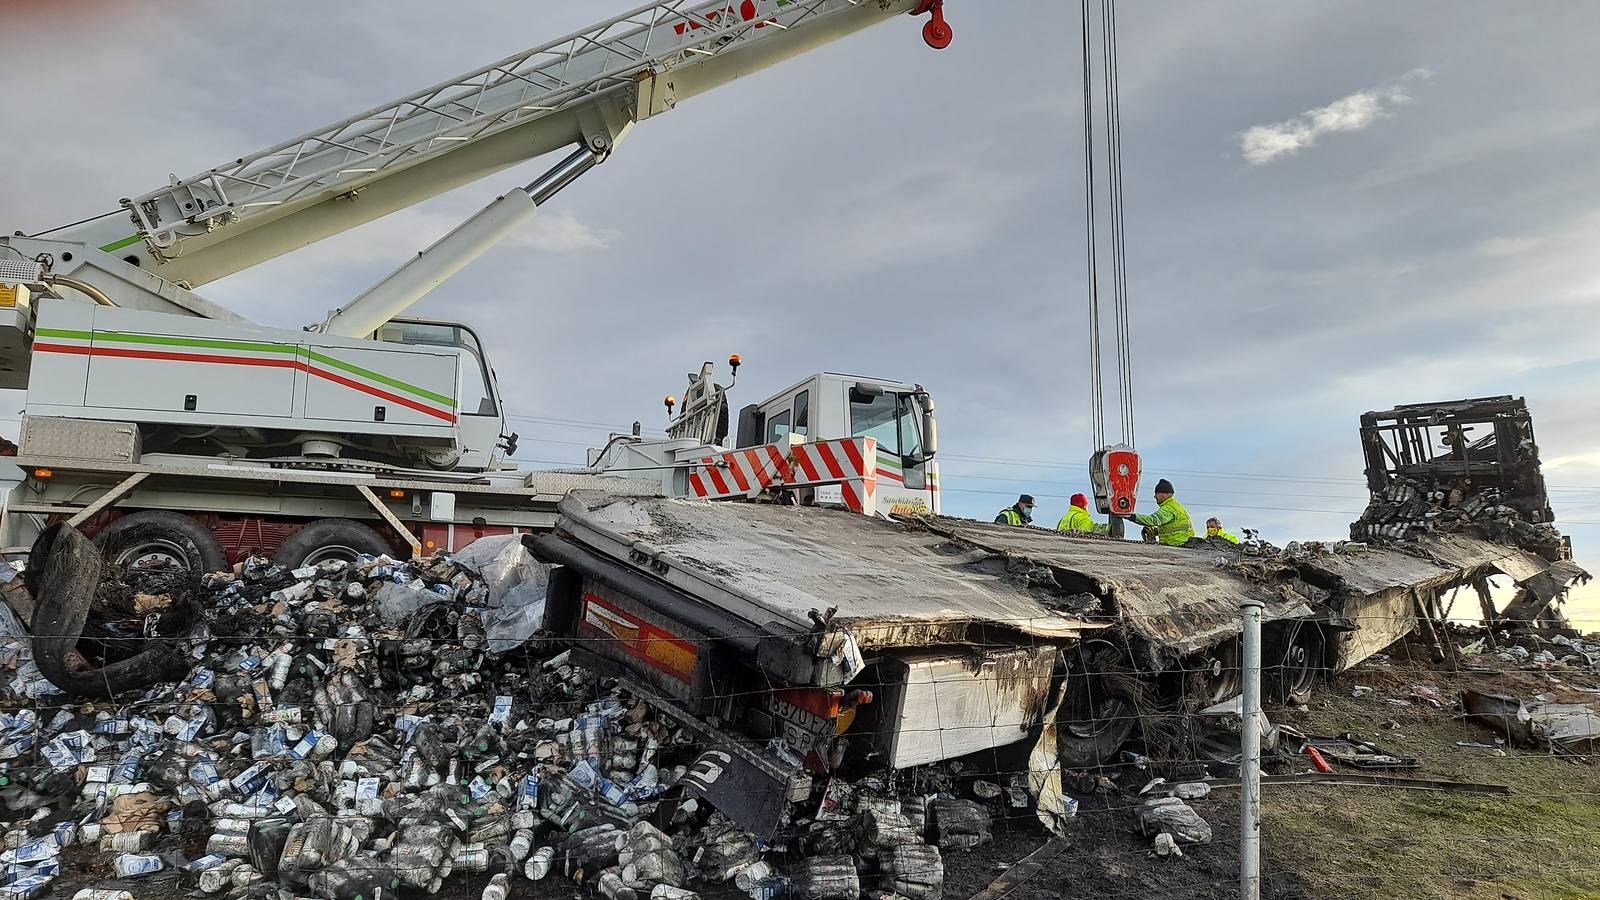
(762, 476)
(779, 464)
(803, 457)
(738, 471)
(850, 450)
(851, 501)
(716, 478)
(825, 453)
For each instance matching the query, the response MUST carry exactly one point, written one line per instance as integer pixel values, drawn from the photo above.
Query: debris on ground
(1349, 750)
(1174, 817)
(348, 728)
(1571, 727)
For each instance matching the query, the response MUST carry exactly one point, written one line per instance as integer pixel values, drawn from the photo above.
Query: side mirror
(930, 427)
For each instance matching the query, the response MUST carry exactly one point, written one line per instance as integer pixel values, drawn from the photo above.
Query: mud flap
(754, 799)
(752, 788)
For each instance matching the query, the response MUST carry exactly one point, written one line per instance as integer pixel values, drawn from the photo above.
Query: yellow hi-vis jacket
(1171, 522)
(1009, 516)
(1077, 521)
(1230, 538)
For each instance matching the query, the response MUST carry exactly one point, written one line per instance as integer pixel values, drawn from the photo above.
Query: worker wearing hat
(1170, 522)
(1018, 513)
(1077, 520)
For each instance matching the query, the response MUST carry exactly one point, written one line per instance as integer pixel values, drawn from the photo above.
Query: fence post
(1250, 755)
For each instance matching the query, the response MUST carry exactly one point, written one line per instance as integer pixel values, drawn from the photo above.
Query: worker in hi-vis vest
(1077, 519)
(1018, 513)
(1214, 529)
(1170, 522)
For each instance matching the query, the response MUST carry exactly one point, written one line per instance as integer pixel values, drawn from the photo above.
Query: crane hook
(936, 31)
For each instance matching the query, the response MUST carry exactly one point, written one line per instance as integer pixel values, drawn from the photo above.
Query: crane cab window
(802, 413)
(778, 427)
(475, 397)
(889, 418)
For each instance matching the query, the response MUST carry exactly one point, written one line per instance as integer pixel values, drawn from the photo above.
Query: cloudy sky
(1330, 209)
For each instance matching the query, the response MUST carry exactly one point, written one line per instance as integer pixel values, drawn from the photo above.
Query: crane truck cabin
(147, 397)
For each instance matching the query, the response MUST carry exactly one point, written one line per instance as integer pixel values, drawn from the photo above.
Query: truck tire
(327, 539)
(1098, 714)
(1222, 672)
(153, 536)
(1294, 663)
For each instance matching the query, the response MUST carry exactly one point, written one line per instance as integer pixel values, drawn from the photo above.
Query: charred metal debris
(1461, 467)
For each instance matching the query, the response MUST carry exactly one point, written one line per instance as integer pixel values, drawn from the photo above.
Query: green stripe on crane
(128, 241)
(247, 347)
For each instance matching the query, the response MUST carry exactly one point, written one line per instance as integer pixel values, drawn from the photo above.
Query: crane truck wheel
(156, 537)
(329, 539)
(1099, 711)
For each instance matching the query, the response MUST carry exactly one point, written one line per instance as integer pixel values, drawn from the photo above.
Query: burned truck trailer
(1463, 466)
(814, 639)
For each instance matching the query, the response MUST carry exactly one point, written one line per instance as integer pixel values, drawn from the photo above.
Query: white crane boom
(583, 88)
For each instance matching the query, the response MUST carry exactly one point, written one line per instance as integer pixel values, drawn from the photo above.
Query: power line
(1023, 462)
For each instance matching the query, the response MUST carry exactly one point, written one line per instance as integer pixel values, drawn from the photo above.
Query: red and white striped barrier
(850, 463)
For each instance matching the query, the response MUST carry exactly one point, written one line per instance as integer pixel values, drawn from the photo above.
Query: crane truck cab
(826, 406)
(481, 432)
(831, 405)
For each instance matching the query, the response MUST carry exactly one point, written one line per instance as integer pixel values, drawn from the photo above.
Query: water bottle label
(62, 755)
(205, 863)
(130, 865)
(249, 781)
(32, 852)
(24, 888)
(530, 792)
(585, 774)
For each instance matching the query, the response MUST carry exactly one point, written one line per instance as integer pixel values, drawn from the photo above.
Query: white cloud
(1262, 144)
(560, 232)
(1504, 246)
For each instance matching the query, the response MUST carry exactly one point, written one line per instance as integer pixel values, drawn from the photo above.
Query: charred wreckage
(661, 692)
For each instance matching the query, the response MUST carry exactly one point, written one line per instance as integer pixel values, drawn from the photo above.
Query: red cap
(1080, 500)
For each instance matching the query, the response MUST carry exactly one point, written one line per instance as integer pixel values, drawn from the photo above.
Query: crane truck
(173, 429)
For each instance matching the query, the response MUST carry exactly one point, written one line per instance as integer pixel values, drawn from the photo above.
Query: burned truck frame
(814, 640)
(1470, 466)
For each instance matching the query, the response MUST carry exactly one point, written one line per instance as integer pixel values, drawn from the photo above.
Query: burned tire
(153, 537)
(327, 539)
(1099, 711)
(1294, 663)
(1222, 672)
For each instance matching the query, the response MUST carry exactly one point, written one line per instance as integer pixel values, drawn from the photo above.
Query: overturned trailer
(818, 639)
